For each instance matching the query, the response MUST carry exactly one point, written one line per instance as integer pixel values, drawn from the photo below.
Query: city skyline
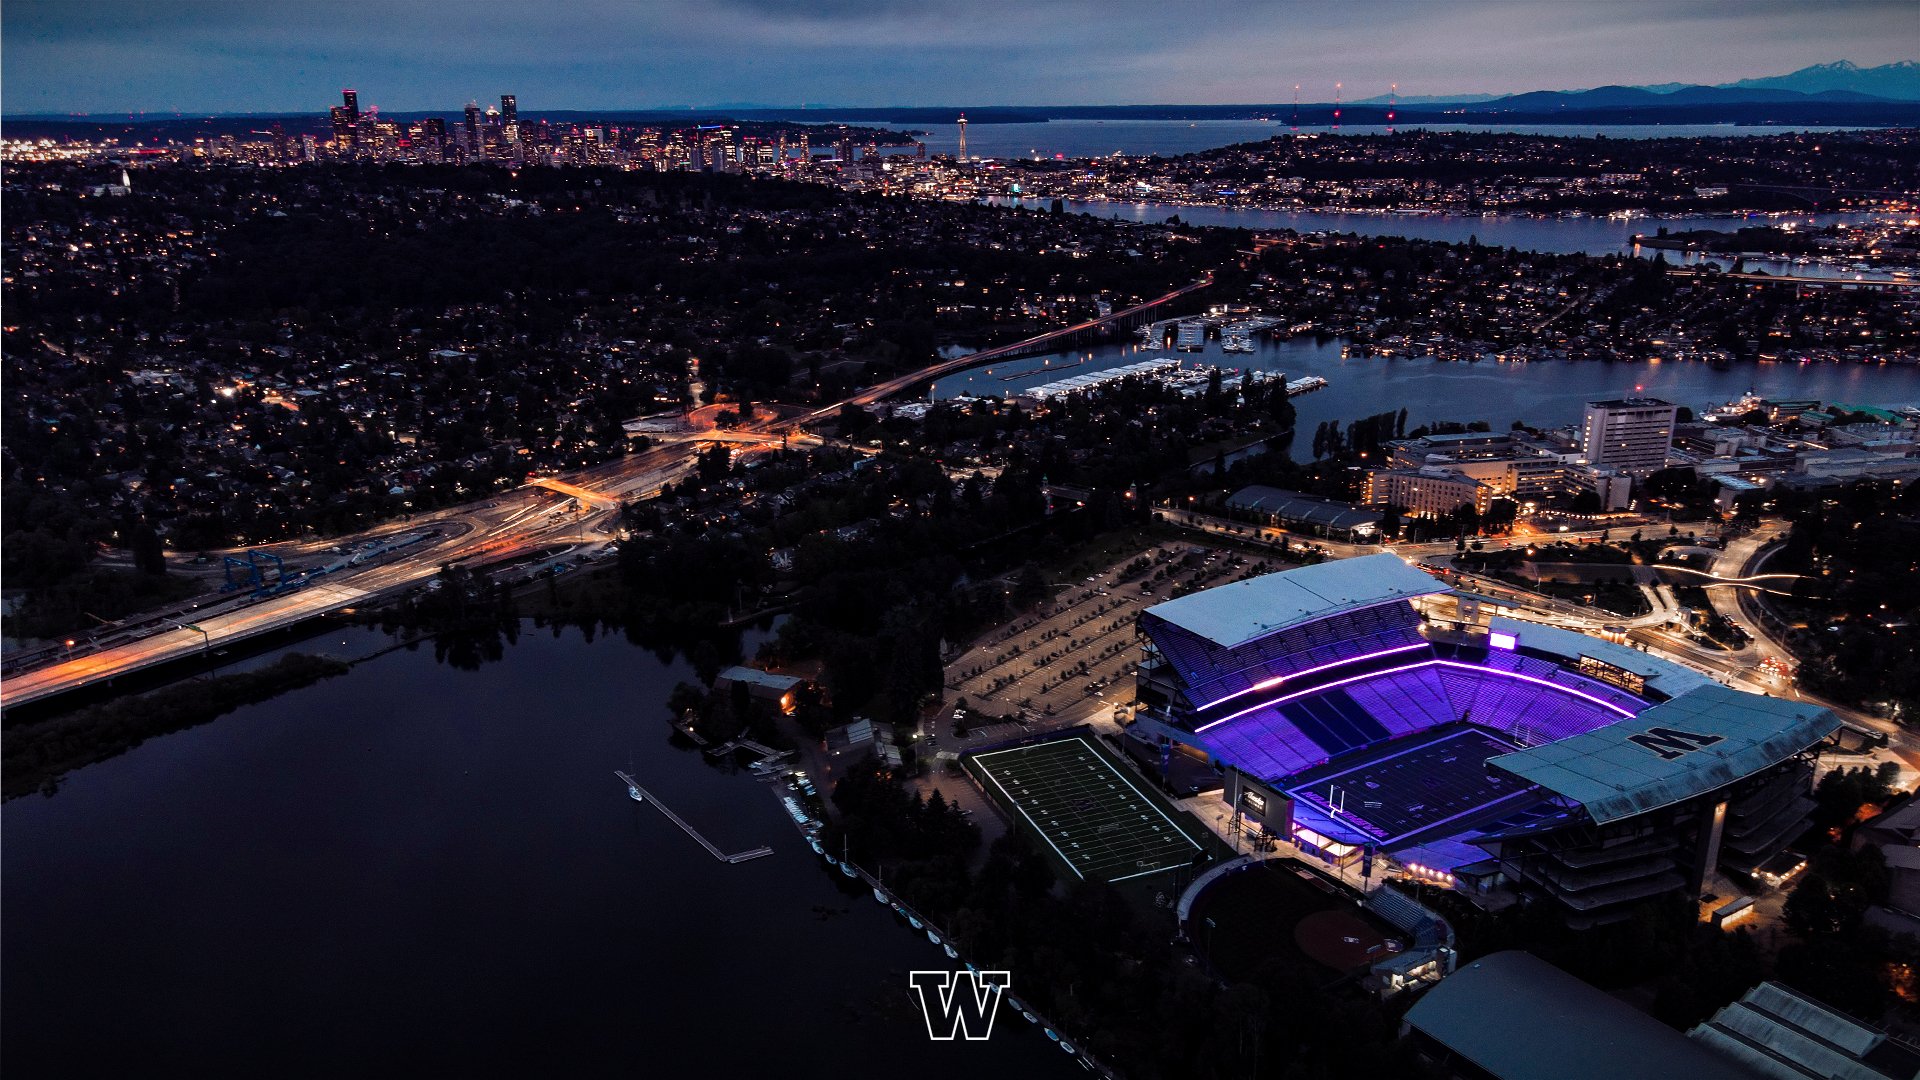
(102, 56)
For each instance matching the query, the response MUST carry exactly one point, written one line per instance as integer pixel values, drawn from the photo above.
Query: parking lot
(1050, 662)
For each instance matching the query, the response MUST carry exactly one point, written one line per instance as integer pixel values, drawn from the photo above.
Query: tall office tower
(342, 127)
(963, 138)
(1631, 435)
(473, 127)
(350, 100)
(433, 131)
(510, 118)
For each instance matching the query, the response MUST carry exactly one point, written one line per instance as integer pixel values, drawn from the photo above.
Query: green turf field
(1086, 810)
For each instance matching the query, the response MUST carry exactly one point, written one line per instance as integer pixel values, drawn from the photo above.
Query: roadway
(530, 518)
(1741, 563)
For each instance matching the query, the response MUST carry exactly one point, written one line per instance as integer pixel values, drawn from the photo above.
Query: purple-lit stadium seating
(1212, 672)
(1526, 700)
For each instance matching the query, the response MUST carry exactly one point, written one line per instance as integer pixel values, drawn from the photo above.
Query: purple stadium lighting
(1278, 679)
(1549, 684)
(1284, 698)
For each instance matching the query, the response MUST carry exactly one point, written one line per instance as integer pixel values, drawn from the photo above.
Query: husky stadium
(1508, 761)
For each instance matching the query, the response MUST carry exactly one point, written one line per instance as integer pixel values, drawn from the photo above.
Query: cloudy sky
(201, 56)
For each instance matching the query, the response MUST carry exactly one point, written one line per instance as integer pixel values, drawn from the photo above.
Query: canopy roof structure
(1704, 739)
(1232, 615)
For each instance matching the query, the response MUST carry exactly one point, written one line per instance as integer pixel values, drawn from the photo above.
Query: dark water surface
(1544, 394)
(416, 867)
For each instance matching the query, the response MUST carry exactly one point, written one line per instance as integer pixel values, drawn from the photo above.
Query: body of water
(1167, 138)
(1554, 235)
(1542, 393)
(413, 868)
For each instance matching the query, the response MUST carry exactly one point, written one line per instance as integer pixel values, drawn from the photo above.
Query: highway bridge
(1039, 343)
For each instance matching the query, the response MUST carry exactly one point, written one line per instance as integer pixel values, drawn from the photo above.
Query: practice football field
(1092, 815)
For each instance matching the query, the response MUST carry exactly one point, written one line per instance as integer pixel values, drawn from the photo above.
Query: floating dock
(1095, 380)
(641, 794)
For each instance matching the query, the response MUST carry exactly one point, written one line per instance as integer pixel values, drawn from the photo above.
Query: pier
(767, 753)
(634, 787)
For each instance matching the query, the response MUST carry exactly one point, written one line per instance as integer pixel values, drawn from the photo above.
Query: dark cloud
(235, 55)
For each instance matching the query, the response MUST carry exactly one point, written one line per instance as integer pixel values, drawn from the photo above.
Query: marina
(1169, 371)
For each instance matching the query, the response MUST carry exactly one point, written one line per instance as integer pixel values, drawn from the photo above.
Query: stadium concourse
(1502, 760)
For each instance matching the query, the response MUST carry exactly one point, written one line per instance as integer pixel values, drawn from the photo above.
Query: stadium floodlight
(1503, 641)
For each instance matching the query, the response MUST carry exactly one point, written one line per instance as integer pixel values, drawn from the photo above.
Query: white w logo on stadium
(959, 1012)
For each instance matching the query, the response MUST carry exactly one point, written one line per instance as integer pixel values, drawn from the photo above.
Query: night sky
(202, 56)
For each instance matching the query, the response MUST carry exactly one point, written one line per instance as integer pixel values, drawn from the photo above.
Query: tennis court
(1093, 816)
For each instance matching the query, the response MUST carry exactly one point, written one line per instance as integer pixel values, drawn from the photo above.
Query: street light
(207, 639)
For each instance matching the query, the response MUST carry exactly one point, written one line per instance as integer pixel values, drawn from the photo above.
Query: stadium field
(1412, 787)
(1091, 815)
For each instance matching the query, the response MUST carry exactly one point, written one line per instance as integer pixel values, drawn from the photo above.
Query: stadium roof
(1236, 613)
(1704, 739)
(1669, 678)
(1518, 1017)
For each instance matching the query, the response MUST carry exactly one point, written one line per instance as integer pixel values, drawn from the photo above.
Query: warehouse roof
(1519, 1018)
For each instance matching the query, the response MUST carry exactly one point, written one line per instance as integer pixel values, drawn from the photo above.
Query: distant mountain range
(1634, 97)
(1900, 82)
(1840, 81)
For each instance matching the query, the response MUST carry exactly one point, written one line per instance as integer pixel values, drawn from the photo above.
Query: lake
(413, 868)
(1542, 393)
(1553, 235)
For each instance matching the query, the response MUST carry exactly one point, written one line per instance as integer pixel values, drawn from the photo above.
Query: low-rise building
(1429, 491)
(776, 690)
